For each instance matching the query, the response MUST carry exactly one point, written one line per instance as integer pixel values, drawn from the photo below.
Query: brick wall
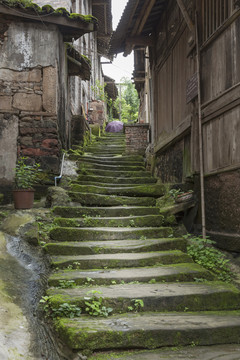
(137, 138)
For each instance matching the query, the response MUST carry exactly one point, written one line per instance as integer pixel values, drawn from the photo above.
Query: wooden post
(200, 132)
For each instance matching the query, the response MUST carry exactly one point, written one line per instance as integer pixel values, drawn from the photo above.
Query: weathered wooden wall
(176, 138)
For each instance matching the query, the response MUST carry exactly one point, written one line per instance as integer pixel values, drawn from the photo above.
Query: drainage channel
(24, 270)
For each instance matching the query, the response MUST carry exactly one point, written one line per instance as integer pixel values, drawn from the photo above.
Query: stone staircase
(117, 252)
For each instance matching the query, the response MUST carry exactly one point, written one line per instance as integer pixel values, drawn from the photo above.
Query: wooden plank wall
(221, 101)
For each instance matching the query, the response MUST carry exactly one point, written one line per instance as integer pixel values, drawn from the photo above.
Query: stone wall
(96, 112)
(32, 56)
(169, 164)
(222, 193)
(137, 138)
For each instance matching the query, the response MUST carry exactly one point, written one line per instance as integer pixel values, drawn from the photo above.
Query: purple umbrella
(114, 126)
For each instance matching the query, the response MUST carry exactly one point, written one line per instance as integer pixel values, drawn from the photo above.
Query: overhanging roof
(102, 10)
(136, 25)
(78, 65)
(70, 25)
(110, 88)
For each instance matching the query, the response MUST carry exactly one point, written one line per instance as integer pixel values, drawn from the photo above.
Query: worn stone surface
(33, 75)
(57, 196)
(15, 338)
(223, 352)
(5, 102)
(30, 102)
(50, 89)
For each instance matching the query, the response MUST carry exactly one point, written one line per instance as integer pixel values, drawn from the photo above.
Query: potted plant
(26, 176)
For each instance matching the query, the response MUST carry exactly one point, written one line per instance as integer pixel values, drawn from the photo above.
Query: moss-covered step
(115, 173)
(111, 167)
(84, 234)
(87, 199)
(167, 273)
(71, 211)
(114, 246)
(117, 161)
(117, 180)
(153, 190)
(211, 296)
(100, 184)
(105, 152)
(132, 221)
(224, 351)
(151, 330)
(120, 260)
(119, 158)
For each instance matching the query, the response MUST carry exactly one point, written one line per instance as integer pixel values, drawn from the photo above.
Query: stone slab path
(114, 254)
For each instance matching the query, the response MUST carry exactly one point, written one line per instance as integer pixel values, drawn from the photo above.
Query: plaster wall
(29, 45)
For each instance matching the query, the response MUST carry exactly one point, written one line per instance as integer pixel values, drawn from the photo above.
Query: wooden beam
(140, 22)
(186, 16)
(140, 40)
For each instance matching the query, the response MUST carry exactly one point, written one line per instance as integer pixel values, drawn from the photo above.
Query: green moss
(29, 5)
(86, 18)
(48, 9)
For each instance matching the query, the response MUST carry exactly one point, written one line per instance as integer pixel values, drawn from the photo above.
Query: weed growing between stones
(94, 306)
(137, 305)
(204, 253)
(63, 310)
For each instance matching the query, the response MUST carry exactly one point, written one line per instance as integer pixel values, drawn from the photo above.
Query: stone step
(193, 352)
(176, 297)
(87, 199)
(120, 260)
(115, 173)
(153, 190)
(167, 273)
(117, 180)
(121, 211)
(118, 159)
(105, 151)
(101, 233)
(115, 246)
(150, 330)
(119, 167)
(87, 159)
(101, 184)
(125, 221)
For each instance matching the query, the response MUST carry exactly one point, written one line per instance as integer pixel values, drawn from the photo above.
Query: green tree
(127, 102)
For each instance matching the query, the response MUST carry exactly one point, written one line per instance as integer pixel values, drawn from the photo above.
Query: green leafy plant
(204, 253)
(26, 175)
(63, 310)
(94, 305)
(137, 305)
(66, 284)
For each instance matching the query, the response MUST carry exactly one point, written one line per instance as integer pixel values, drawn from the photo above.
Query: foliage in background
(203, 253)
(128, 102)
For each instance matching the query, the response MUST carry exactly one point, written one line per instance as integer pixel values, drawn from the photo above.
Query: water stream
(24, 270)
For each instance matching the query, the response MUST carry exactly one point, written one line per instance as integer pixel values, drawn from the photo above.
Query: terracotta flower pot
(184, 197)
(23, 198)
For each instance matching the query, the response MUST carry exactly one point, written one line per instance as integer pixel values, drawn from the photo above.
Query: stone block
(5, 102)
(29, 102)
(33, 75)
(50, 89)
(49, 143)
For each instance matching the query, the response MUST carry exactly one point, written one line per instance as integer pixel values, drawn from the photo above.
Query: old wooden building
(187, 71)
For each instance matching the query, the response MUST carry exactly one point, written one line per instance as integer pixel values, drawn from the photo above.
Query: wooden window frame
(215, 13)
